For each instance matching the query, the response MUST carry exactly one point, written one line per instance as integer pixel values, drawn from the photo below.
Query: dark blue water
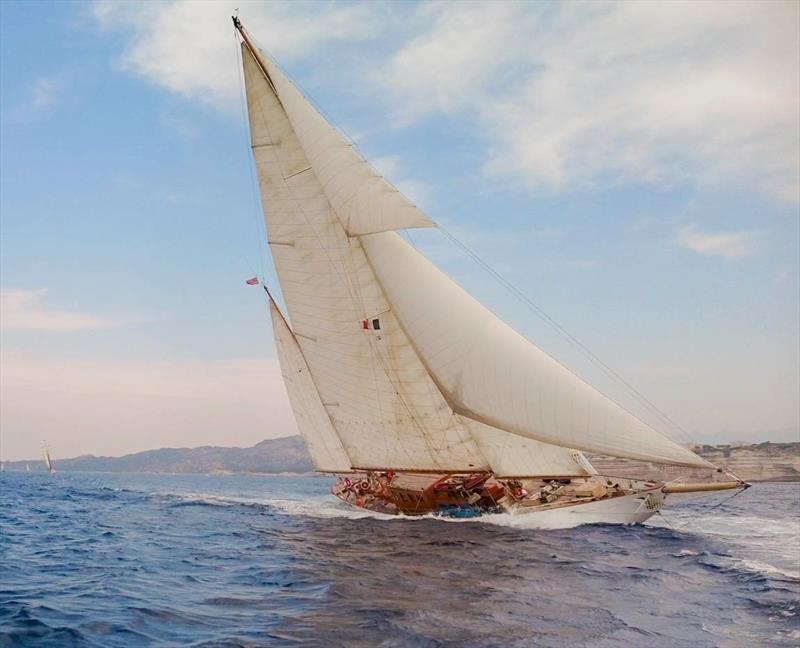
(141, 560)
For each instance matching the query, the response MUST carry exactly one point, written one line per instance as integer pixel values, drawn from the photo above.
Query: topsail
(364, 202)
(403, 366)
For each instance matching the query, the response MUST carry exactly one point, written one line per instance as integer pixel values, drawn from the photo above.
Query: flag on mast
(252, 281)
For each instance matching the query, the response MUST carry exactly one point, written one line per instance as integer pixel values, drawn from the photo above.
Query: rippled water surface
(140, 560)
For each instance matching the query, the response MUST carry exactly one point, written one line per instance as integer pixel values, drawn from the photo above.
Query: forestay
(490, 373)
(313, 422)
(384, 407)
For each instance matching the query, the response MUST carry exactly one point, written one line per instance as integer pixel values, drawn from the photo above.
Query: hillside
(759, 462)
(287, 454)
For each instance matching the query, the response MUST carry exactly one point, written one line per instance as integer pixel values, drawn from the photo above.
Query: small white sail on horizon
(410, 371)
(48, 462)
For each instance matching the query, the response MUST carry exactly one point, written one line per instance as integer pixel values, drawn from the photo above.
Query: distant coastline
(757, 462)
(767, 462)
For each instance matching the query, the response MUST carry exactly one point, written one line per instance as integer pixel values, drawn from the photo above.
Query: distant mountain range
(287, 454)
(758, 462)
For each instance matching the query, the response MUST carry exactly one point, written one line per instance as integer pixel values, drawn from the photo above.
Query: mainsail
(392, 370)
(384, 407)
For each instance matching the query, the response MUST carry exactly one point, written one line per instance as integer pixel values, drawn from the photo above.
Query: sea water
(175, 560)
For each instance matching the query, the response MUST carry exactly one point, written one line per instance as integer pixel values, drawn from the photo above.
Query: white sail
(511, 455)
(384, 407)
(490, 373)
(388, 408)
(361, 198)
(46, 457)
(313, 422)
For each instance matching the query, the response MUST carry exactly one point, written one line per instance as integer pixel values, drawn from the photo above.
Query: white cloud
(43, 93)
(585, 95)
(730, 245)
(23, 310)
(41, 96)
(453, 58)
(189, 47)
(564, 96)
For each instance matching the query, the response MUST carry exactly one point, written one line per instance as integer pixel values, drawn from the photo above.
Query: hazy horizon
(632, 167)
(777, 436)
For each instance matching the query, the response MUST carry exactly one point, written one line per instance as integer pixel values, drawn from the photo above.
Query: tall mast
(254, 51)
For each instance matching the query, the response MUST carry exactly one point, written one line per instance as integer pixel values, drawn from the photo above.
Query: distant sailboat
(398, 377)
(27, 467)
(48, 462)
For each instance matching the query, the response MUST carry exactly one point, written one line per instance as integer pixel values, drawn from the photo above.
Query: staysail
(313, 421)
(397, 395)
(511, 455)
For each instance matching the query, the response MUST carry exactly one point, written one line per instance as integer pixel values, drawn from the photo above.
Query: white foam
(767, 569)
(742, 529)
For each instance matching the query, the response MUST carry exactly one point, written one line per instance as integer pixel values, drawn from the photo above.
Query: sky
(633, 168)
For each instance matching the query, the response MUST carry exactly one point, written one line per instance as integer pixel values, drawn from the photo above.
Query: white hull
(627, 509)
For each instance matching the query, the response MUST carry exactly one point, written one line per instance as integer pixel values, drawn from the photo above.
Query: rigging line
(260, 227)
(708, 510)
(666, 521)
(571, 338)
(250, 266)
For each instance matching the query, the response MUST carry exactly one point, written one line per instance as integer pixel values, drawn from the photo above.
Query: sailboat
(416, 395)
(48, 462)
(27, 467)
